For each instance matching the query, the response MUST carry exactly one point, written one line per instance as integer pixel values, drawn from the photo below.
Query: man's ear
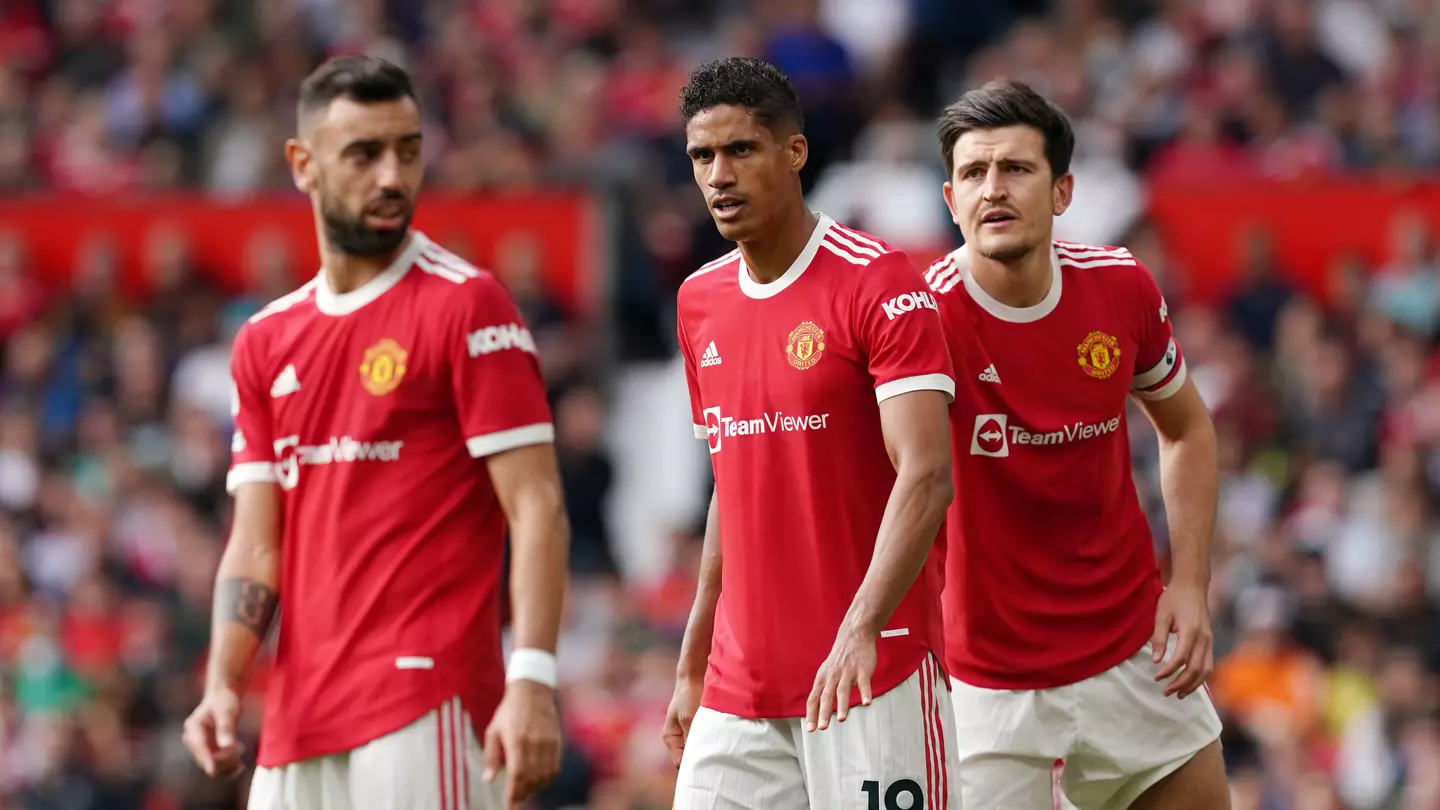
(798, 150)
(1064, 193)
(299, 156)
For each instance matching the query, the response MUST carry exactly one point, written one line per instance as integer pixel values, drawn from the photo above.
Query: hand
(683, 705)
(210, 734)
(1184, 611)
(524, 739)
(850, 664)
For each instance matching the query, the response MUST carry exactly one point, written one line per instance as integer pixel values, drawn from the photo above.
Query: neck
(1022, 283)
(768, 257)
(345, 272)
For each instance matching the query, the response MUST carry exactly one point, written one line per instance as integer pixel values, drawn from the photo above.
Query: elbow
(542, 518)
(1198, 437)
(934, 484)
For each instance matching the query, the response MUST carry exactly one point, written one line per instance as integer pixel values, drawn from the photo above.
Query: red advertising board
(562, 229)
(1312, 223)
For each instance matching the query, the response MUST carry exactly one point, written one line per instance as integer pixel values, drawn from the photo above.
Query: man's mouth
(997, 217)
(389, 214)
(727, 207)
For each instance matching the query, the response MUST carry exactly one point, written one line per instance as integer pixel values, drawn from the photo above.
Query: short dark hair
(1005, 103)
(754, 84)
(362, 79)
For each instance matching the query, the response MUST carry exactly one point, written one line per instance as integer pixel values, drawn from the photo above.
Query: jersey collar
(333, 303)
(1003, 311)
(754, 289)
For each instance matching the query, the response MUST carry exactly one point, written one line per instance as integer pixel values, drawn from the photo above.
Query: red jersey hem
(716, 698)
(975, 674)
(292, 748)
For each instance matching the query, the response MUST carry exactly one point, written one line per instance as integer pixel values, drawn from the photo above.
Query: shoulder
(448, 283)
(866, 265)
(1109, 269)
(291, 303)
(1105, 263)
(858, 248)
(945, 273)
(712, 273)
(274, 318)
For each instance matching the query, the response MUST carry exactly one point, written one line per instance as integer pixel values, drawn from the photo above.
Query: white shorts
(435, 763)
(1116, 733)
(895, 754)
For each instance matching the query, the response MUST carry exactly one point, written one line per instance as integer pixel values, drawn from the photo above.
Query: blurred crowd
(114, 413)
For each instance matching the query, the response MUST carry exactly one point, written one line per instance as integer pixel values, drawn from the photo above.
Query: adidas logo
(287, 383)
(711, 357)
(989, 375)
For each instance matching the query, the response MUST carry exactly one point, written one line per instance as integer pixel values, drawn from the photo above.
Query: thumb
(494, 752)
(225, 719)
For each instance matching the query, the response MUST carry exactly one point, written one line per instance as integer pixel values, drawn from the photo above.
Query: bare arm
(1189, 481)
(527, 482)
(917, 435)
(246, 587)
(700, 627)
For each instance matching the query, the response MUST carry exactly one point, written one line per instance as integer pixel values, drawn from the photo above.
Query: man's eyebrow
(1001, 161)
(364, 143)
(729, 146)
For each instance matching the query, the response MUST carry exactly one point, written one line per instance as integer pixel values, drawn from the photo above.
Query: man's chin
(1004, 251)
(735, 231)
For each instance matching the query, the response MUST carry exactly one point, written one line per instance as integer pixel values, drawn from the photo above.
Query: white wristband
(530, 664)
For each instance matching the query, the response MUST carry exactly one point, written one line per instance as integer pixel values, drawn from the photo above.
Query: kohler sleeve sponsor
(499, 338)
(908, 302)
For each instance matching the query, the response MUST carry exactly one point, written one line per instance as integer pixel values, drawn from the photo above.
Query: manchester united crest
(383, 367)
(805, 345)
(1099, 354)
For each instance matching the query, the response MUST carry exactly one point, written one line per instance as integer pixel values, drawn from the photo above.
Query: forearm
(907, 534)
(700, 627)
(246, 598)
(1189, 484)
(540, 549)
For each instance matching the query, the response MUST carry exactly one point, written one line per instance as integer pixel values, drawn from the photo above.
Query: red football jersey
(1051, 575)
(372, 410)
(785, 383)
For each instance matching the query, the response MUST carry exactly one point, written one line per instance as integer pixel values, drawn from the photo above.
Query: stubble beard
(1007, 254)
(351, 236)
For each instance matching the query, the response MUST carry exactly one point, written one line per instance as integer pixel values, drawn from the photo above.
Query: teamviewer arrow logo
(989, 437)
(712, 429)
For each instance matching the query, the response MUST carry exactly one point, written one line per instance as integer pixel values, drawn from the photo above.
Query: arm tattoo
(248, 603)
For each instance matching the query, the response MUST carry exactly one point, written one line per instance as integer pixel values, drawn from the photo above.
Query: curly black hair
(753, 84)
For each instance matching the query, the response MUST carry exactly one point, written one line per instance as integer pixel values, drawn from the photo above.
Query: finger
(553, 753)
(225, 726)
(227, 758)
(1161, 637)
(827, 703)
(519, 772)
(494, 753)
(842, 696)
(194, 738)
(1184, 645)
(674, 736)
(517, 784)
(864, 683)
(1183, 675)
(1197, 669)
(812, 703)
